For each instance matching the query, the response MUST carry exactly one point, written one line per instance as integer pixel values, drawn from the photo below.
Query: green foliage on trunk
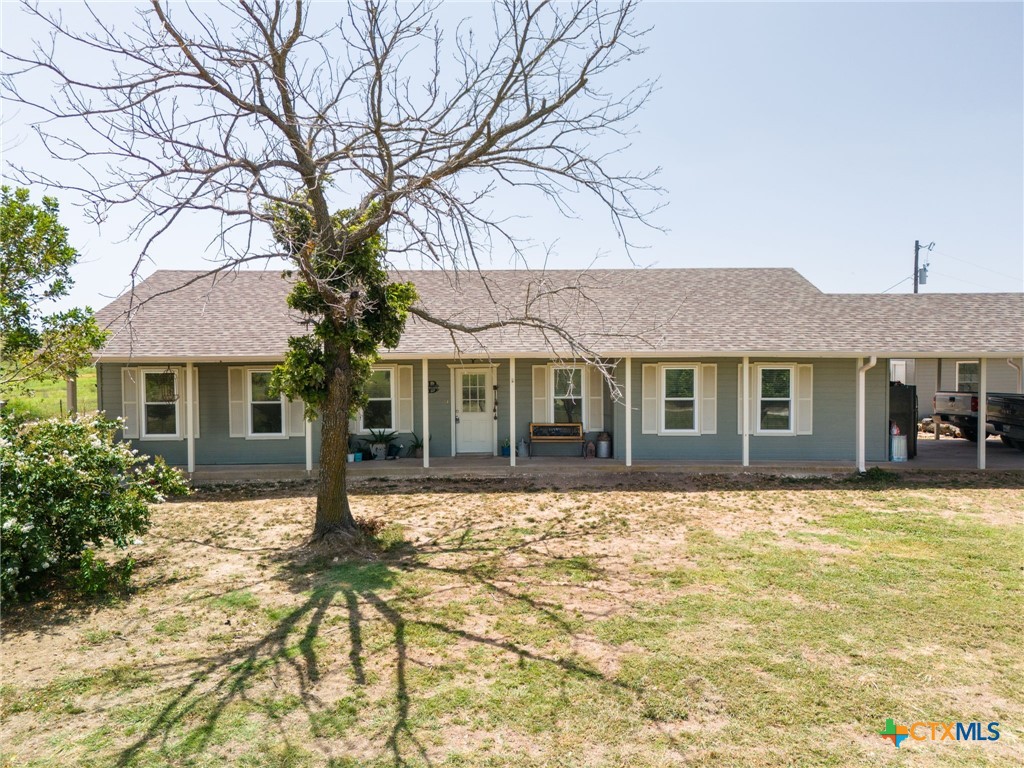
(352, 305)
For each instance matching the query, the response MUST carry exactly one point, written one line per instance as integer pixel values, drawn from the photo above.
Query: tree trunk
(333, 514)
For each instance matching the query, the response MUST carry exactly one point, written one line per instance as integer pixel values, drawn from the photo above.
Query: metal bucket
(604, 449)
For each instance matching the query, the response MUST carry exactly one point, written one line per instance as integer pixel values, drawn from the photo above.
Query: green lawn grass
(49, 398)
(711, 625)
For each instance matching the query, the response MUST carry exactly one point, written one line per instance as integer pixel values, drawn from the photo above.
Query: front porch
(941, 456)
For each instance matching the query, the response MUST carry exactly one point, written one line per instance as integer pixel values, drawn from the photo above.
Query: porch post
(938, 388)
(189, 410)
(629, 412)
(426, 416)
(982, 410)
(71, 390)
(309, 446)
(512, 411)
(745, 418)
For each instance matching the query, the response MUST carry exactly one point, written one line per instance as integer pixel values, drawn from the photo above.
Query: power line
(901, 282)
(978, 266)
(962, 280)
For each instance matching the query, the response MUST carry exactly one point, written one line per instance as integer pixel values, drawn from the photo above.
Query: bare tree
(265, 112)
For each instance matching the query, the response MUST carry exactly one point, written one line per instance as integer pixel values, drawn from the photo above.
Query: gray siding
(214, 445)
(834, 423)
(441, 437)
(833, 438)
(925, 379)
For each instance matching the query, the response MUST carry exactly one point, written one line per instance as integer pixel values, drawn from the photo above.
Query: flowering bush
(66, 484)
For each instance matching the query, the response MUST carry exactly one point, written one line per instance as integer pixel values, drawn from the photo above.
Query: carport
(983, 446)
(981, 327)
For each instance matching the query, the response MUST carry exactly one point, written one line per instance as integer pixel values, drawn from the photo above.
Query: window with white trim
(968, 376)
(678, 399)
(379, 412)
(160, 410)
(266, 412)
(567, 395)
(775, 399)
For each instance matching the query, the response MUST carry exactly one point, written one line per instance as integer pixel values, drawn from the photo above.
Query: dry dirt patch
(632, 624)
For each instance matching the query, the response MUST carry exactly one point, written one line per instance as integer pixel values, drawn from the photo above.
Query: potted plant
(379, 441)
(506, 447)
(416, 447)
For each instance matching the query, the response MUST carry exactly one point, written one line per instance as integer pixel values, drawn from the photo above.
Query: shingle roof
(182, 314)
(242, 315)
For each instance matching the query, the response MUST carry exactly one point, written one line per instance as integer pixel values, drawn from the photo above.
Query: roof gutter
(705, 354)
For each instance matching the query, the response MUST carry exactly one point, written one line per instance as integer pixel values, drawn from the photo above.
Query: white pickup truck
(1004, 415)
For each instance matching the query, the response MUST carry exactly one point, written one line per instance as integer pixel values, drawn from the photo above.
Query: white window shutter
(649, 410)
(804, 399)
(195, 401)
(405, 399)
(708, 399)
(130, 402)
(595, 399)
(236, 402)
(739, 400)
(296, 418)
(540, 394)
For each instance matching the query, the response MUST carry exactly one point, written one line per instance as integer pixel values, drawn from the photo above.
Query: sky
(826, 137)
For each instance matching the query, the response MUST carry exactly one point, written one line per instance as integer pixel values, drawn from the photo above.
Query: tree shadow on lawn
(347, 595)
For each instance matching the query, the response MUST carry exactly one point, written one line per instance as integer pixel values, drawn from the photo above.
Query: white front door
(474, 421)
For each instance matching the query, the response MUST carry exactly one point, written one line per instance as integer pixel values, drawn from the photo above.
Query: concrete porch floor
(940, 456)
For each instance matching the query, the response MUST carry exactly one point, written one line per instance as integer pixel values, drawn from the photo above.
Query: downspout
(862, 410)
(1020, 374)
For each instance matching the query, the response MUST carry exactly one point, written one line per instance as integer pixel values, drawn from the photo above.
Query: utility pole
(920, 276)
(917, 252)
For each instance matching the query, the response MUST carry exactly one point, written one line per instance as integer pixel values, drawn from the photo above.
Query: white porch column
(862, 410)
(190, 396)
(982, 410)
(309, 446)
(512, 411)
(745, 418)
(629, 412)
(426, 415)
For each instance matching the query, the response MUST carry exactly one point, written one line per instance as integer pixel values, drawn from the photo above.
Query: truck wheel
(1006, 440)
(969, 434)
(1019, 445)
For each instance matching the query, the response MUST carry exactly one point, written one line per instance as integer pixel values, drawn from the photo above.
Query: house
(722, 365)
(956, 375)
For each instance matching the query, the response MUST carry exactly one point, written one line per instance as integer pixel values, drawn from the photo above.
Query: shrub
(67, 485)
(95, 577)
